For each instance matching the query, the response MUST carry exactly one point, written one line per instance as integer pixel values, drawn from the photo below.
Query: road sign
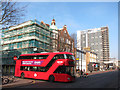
(77, 58)
(15, 57)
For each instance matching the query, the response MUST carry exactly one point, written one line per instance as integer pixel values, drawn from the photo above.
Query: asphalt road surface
(103, 80)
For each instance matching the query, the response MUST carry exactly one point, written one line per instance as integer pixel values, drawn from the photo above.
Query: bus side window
(25, 68)
(58, 56)
(42, 56)
(61, 56)
(41, 69)
(34, 68)
(38, 69)
(31, 68)
(28, 68)
(55, 57)
(34, 57)
(21, 68)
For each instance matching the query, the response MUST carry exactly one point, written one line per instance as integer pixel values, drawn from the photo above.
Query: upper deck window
(68, 56)
(59, 56)
(64, 56)
(34, 57)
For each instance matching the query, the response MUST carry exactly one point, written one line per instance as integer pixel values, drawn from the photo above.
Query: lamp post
(81, 54)
(81, 58)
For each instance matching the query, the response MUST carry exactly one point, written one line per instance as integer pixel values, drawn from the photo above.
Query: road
(103, 80)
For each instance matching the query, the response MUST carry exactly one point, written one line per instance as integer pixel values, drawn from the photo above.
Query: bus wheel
(51, 78)
(22, 75)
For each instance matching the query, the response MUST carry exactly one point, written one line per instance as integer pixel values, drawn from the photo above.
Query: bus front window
(65, 69)
(68, 56)
(70, 70)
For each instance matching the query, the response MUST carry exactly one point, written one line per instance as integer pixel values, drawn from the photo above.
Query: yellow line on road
(33, 81)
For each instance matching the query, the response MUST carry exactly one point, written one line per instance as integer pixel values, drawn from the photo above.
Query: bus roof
(46, 53)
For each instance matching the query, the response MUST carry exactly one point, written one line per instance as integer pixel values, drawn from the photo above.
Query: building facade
(61, 40)
(28, 37)
(83, 58)
(97, 40)
(65, 42)
(54, 37)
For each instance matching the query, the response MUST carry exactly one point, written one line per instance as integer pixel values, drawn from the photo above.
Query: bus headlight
(68, 78)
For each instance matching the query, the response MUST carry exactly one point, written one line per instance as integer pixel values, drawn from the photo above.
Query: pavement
(95, 72)
(98, 72)
(20, 82)
(17, 82)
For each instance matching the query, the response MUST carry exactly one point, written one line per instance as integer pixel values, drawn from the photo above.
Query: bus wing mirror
(15, 58)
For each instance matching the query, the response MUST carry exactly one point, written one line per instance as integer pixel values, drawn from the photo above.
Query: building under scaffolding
(28, 37)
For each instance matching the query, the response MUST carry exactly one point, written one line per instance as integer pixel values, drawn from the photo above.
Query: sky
(78, 16)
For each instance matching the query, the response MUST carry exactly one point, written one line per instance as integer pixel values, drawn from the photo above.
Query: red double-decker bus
(54, 66)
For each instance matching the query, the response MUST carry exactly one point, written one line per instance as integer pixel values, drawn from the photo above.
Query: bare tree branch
(11, 13)
(74, 37)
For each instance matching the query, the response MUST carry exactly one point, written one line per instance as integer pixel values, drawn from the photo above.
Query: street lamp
(81, 58)
(81, 54)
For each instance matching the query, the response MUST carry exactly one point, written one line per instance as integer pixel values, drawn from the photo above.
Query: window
(24, 44)
(31, 43)
(36, 34)
(70, 57)
(65, 69)
(59, 56)
(43, 37)
(31, 34)
(11, 46)
(60, 69)
(42, 69)
(20, 36)
(36, 43)
(19, 44)
(32, 68)
(10, 38)
(42, 57)
(34, 57)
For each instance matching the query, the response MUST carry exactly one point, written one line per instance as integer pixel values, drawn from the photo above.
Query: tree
(74, 37)
(10, 12)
